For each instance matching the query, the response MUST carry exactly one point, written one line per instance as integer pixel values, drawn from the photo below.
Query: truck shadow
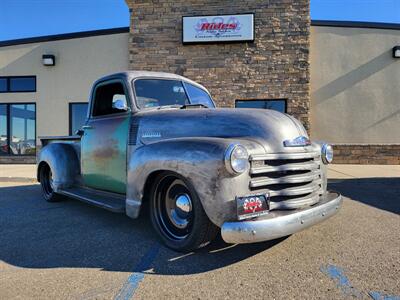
(379, 192)
(71, 234)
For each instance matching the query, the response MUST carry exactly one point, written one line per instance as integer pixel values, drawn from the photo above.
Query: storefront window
(17, 129)
(77, 116)
(274, 104)
(3, 130)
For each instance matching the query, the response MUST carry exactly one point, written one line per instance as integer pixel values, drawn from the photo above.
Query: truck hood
(266, 127)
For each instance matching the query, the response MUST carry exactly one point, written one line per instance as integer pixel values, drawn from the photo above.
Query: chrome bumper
(280, 223)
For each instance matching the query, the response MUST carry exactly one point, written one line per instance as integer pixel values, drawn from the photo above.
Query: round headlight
(327, 153)
(236, 159)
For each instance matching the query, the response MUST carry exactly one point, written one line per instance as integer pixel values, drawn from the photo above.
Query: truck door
(104, 142)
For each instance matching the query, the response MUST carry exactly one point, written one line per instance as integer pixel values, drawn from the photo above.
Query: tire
(177, 214)
(45, 176)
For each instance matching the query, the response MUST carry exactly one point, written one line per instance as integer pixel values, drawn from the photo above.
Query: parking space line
(342, 282)
(131, 284)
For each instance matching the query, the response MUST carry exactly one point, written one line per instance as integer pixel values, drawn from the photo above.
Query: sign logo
(219, 28)
(252, 205)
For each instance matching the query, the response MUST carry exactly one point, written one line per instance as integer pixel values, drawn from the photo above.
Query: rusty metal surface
(64, 163)
(189, 142)
(104, 153)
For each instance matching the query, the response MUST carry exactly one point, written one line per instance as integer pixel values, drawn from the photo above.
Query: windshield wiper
(194, 105)
(170, 106)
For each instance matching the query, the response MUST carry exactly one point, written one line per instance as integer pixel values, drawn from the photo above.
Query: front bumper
(281, 223)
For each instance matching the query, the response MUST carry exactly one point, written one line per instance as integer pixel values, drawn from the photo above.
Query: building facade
(339, 78)
(39, 100)
(273, 67)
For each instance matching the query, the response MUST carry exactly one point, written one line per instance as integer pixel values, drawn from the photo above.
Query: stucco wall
(79, 62)
(355, 85)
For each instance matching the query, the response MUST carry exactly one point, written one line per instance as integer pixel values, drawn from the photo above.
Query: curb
(18, 179)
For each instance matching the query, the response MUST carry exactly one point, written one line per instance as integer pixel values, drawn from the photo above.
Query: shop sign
(221, 28)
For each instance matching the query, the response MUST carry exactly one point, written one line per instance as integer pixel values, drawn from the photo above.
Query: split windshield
(160, 92)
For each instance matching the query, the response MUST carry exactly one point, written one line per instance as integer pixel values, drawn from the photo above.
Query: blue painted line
(337, 274)
(131, 284)
(379, 296)
(342, 282)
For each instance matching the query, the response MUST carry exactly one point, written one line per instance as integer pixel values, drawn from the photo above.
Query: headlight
(236, 159)
(326, 153)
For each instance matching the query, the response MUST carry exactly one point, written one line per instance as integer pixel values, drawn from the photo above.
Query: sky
(30, 18)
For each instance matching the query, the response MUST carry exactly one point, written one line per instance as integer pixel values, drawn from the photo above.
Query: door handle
(84, 127)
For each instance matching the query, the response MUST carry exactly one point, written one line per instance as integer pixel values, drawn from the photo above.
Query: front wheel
(177, 214)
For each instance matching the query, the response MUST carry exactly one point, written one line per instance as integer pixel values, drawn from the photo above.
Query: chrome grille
(292, 180)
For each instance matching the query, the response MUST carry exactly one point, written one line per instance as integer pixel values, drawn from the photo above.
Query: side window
(105, 98)
(198, 96)
(274, 104)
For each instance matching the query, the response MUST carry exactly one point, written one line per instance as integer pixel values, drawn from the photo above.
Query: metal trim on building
(64, 36)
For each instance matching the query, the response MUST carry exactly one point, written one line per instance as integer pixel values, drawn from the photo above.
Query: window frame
(285, 100)
(19, 76)
(166, 78)
(70, 104)
(8, 114)
(184, 83)
(93, 96)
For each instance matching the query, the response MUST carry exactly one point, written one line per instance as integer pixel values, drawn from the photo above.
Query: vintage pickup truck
(156, 140)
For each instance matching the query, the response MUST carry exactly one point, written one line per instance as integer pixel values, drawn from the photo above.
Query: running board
(110, 201)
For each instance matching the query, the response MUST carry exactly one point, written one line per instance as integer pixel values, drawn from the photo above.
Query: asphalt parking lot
(69, 250)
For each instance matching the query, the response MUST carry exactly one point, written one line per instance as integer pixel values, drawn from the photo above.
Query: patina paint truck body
(157, 137)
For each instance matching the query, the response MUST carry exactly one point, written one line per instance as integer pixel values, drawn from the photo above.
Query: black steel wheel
(177, 214)
(46, 181)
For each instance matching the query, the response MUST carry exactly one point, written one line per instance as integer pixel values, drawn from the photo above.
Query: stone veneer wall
(374, 154)
(275, 66)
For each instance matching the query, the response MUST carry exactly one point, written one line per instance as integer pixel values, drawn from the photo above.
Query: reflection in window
(77, 112)
(275, 104)
(3, 130)
(198, 96)
(159, 92)
(22, 129)
(104, 96)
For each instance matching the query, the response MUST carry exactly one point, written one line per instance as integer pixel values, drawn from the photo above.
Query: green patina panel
(104, 154)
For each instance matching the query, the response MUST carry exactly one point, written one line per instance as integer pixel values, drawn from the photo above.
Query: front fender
(63, 162)
(199, 160)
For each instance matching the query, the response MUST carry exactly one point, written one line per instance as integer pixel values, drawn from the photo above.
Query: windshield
(159, 92)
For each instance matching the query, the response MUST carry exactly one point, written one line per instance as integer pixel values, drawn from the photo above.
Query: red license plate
(252, 206)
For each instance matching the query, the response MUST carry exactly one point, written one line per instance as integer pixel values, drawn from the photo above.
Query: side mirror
(79, 132)
(120, 105)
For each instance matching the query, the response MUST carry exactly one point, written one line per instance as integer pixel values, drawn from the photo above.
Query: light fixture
(48, 60)
(396, 52)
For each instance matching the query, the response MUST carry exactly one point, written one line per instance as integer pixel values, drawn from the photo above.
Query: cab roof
(132, 75)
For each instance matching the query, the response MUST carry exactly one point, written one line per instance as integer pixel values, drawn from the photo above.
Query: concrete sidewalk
(17, 173)
(22, 173)
(362, 171)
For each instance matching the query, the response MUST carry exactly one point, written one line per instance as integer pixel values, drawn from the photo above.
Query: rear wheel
(177, 214)
(46, 181)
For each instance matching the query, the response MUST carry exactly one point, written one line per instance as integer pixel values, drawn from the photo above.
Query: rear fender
(64, 164)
